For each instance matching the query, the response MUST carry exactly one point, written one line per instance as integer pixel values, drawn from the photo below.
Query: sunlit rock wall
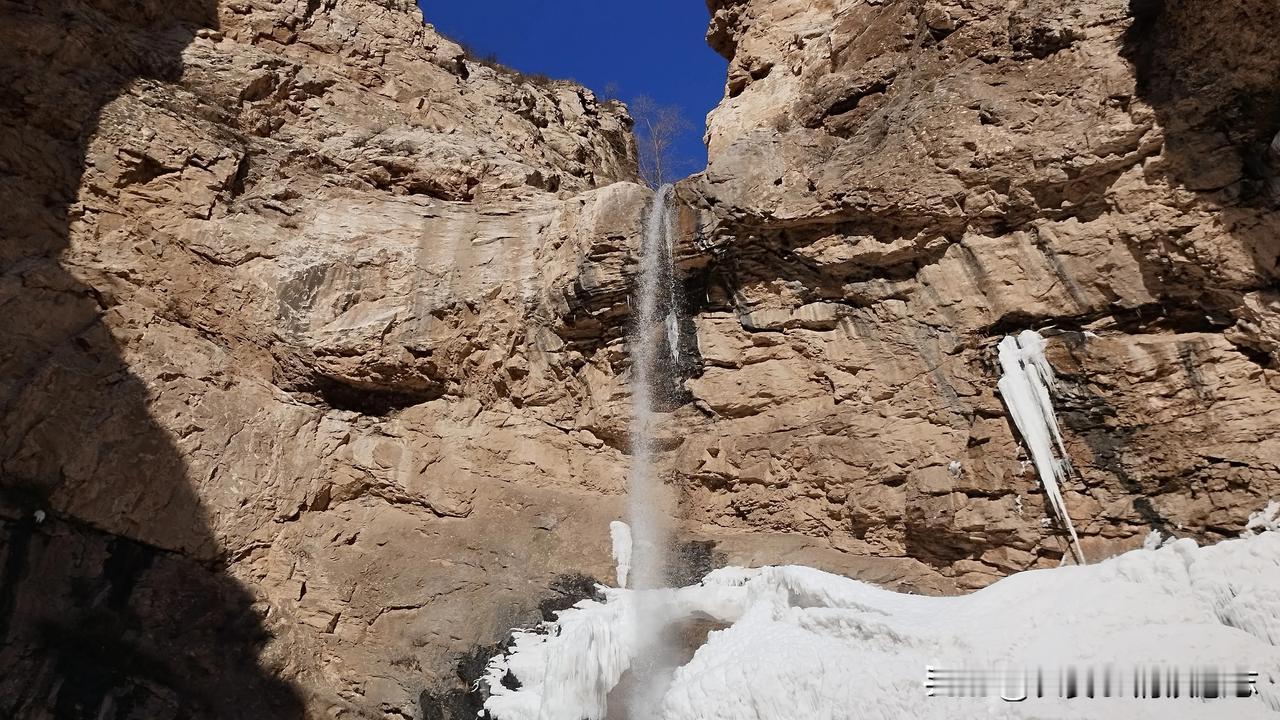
(893, 186)
(303, 315)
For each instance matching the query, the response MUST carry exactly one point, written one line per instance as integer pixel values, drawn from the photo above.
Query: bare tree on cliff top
(657, 127)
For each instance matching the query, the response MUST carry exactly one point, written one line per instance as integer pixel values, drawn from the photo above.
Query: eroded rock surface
(895, 185)
(303, 314)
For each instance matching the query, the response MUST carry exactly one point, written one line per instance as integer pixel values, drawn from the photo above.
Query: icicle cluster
(1026, 383)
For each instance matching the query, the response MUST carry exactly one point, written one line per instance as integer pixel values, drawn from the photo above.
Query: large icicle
(1025, 385)
(620, 533)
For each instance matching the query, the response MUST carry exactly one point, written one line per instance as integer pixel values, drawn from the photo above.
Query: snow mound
(805, 644)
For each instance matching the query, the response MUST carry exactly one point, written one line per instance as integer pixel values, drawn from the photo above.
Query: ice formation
(1268, 518)
(1025, 384)
(805, 644)
(620, 534)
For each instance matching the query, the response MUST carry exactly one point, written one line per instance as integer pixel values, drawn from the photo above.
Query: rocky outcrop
(302, 310)
(894, 185)
(314, 381)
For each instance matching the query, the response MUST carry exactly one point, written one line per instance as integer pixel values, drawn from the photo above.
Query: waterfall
(653, 333)
(654, 347)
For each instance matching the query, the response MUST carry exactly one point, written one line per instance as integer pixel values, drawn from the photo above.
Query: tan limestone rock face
(893, 186)
(311, 357)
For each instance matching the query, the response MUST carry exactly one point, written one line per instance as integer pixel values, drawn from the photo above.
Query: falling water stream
(654, 355)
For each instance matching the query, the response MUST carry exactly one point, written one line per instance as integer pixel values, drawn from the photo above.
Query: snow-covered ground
(800, 644)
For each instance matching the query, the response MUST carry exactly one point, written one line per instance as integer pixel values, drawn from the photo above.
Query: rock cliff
(893, 186)
(314, 383)
(302, 317)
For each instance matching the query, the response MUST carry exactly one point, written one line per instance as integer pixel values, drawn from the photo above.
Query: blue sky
(653, 48)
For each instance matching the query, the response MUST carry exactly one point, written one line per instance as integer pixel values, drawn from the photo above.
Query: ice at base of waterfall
(801, 643)
(620, 534)
(1266, 519)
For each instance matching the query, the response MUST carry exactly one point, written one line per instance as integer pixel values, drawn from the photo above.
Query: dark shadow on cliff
(113, 601)
(1209, 70)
